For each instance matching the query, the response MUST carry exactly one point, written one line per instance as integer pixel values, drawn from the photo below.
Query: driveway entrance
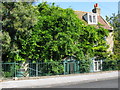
(71, 65)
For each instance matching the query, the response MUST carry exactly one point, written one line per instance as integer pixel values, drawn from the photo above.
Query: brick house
(93, 18)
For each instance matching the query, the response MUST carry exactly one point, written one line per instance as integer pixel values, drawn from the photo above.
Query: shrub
(51, 67)
(110, 64)
(85, 66)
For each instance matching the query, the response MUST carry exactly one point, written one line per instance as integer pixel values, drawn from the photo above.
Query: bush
(85, 66)
(52, 68)
(110, 64)
(9, 70)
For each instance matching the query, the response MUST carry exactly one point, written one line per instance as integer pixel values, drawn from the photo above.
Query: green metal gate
(71, 65)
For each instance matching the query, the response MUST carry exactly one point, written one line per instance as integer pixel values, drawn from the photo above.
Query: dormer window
(91, 18)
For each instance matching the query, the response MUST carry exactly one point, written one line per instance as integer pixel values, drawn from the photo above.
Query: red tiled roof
(105, 24)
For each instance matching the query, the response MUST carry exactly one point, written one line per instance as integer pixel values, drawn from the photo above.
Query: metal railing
(10, 70)
(45, 69)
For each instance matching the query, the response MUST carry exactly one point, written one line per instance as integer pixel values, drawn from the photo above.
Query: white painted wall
(110, 42)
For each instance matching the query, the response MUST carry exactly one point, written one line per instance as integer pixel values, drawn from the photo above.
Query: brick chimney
(96, 9)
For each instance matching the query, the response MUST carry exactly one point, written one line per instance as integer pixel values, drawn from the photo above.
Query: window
(94, 19)
(96, 66)
(90, 18)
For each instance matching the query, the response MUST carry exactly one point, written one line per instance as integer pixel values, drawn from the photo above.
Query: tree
(17, 19)
(56, 33)
(114, 20)
(48, 32)
(60, 33)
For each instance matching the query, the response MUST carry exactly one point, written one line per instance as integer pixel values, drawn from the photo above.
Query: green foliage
(10, 69)
(17, 18)
(59, 30)
(48, 32)
(110, 65)
(114, 20)
(52, 68)
(5, 42)
(60, 33)
(8, 74)
(85, 66)
(85, 63)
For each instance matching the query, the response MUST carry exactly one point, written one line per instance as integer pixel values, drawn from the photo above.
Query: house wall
(110, 41)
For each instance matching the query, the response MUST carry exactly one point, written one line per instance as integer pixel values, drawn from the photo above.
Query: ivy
(48, 32)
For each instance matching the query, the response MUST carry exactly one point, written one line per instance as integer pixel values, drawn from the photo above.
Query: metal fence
(40, 69)
(45, 69)
(31, 69)
(10, 70)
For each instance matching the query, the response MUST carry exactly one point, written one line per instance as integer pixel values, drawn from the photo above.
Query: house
(93, 18)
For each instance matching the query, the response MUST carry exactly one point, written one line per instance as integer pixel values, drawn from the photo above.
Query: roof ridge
(82, 11)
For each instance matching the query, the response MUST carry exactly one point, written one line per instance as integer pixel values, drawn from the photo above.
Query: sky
(107, 8)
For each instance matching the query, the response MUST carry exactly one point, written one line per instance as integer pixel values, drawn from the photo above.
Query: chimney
(96, 9)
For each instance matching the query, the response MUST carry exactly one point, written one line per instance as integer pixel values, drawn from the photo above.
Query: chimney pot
(95, 5)
(96, 9)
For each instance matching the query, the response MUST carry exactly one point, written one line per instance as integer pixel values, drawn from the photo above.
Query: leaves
(17, 20)
(48, 32)
(114, 21)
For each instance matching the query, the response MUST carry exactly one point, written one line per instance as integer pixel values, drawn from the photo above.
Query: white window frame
(94, 21)
(96, 67)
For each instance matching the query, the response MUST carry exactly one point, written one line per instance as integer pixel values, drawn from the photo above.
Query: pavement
(86, 77)
(111, 83)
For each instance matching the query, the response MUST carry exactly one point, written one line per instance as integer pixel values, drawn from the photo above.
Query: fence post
(78, 66)
(64, 67)
(15, 68)
(92, 66)
(36, 69)
(68, 68)
(75, 67)
(101, 64)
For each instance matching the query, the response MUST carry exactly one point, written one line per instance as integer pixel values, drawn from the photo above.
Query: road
(113, 83)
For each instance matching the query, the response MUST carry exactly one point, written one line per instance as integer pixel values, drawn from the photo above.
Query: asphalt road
(113, 83)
